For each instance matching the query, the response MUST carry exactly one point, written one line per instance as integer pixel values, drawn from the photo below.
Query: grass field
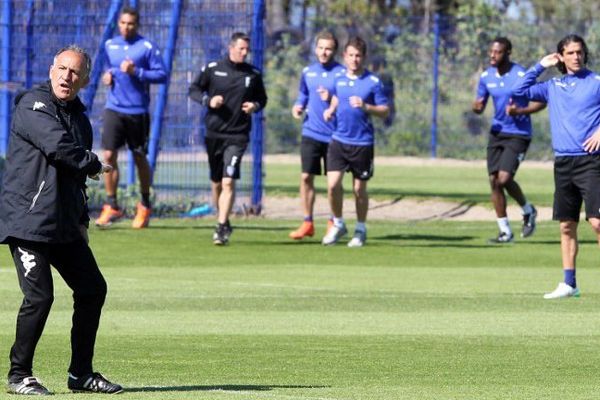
(426, 310)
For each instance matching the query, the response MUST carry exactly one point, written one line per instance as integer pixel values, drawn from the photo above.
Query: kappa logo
(231, 167)
(38, 105)
(28, 261)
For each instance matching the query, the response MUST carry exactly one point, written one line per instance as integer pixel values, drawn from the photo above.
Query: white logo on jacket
(27, 260)
(38, 105)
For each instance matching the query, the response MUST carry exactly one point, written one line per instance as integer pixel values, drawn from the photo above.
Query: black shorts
(346, 157)
(224, 157)
(505, 152)
(312, 152)
(576, 179)
(119, 128)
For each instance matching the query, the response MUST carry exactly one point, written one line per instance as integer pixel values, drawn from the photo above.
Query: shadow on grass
(228, 388)
(438, 238)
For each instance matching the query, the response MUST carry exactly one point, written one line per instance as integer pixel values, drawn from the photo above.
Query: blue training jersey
(491, 83)
(573, 106)
(130, 94)
(315, 76)
(354, 125)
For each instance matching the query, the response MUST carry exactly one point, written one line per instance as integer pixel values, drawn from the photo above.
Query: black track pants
(77, 266)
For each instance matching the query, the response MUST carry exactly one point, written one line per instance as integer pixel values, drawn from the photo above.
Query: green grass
(452, 183)
(426, 310)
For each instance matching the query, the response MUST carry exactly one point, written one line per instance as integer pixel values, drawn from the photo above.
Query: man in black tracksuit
(232, 90)
(44, 218)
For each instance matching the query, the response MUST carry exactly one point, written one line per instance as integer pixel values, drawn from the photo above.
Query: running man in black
(44, 220)
(232, 90)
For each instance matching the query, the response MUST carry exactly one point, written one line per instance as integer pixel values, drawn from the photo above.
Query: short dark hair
(560, 47)
(131, 11)
(358, 43)
(79, 50)
(505, 42)
(327, 35)
(237, 36)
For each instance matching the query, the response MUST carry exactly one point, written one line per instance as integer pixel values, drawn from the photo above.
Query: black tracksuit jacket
(237, 83)
(43, 197)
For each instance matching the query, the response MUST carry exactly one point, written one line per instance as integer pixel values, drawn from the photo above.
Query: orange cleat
(108, 216)
(306, 229)
(142, 217)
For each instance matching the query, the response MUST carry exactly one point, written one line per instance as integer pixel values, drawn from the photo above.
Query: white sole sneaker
(562, 291)
(334, 235)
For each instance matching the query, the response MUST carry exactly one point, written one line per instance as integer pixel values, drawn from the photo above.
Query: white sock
(503, 225)
(360, 226)
(527, 208)
(338, 222)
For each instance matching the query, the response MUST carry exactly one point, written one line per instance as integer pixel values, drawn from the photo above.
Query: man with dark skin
(509, 138)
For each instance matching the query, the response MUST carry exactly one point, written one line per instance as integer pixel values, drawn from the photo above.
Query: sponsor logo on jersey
(247, 81)
(311, 74)
(491, 85)
(220, 73)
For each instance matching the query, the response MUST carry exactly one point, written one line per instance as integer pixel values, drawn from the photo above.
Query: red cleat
(306, 229)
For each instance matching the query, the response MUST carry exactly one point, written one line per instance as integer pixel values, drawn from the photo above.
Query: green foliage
(281, 79)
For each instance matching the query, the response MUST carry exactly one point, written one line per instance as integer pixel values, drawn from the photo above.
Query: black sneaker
(28, 386)
(220, 236)
(503, 237)
(529, 223)
(93, 383)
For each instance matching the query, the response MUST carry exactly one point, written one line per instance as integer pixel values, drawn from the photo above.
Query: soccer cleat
(108, 216)
(28, 386)
(221, 235)
(334, 235)
(358, 240)
(306, 229)
(503, 237)
(142, 217)
(93, 383)
(529, 223)
(562, 290)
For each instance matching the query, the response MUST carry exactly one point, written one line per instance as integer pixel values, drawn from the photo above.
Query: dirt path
(404, 209)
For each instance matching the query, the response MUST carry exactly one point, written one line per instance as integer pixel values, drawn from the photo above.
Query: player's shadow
(227, 388)
(429, 238)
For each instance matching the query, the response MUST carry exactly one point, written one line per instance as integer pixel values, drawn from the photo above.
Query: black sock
(146, 200)
(112, 201)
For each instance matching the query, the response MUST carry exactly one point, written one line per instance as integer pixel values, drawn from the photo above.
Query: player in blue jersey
(134, 63)
(509, 138)
(316, 82)
(356, 96)
(574, 111)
